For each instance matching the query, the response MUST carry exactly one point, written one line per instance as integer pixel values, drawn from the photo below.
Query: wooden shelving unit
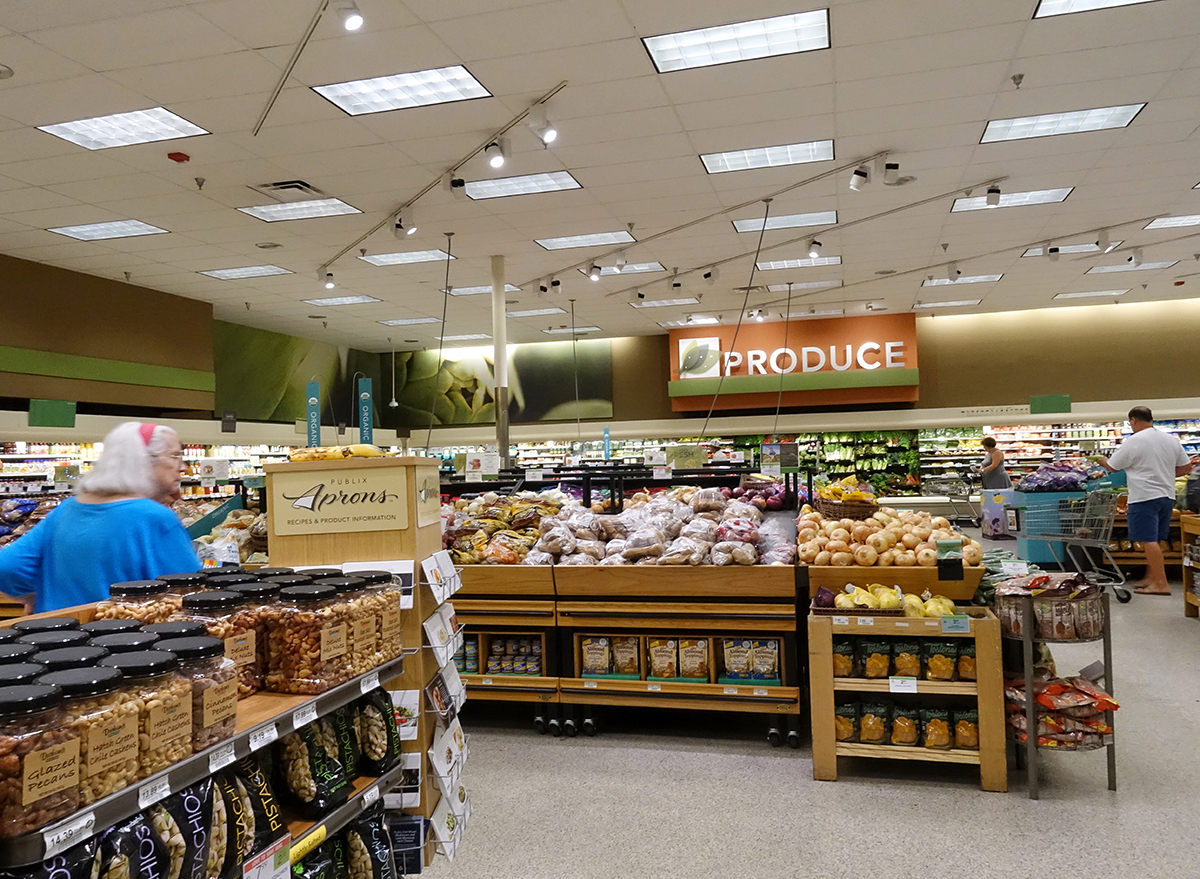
(1134, 558)
(911, 579)
(987, 691)
(1189, 530)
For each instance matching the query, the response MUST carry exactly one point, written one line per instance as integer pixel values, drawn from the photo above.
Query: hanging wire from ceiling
(741, 317)
(787, 322)
(441, 340)
(575, 356)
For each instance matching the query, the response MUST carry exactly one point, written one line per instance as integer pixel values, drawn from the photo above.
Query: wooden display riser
(506, 580)
(678, 694)
(913, 580)
(512, 688)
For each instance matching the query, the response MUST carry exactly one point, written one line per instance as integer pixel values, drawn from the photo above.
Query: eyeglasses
(177, 456)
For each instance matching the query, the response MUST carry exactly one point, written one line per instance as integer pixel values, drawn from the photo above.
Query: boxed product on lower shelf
(501, 654)
(685, 658)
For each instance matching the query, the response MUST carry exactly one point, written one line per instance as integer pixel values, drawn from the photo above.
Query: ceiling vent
(290, 190)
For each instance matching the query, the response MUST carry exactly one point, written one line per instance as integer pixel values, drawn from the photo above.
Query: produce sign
(869, 359)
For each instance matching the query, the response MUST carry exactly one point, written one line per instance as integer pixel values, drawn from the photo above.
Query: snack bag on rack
(265, 820)
(132, 850)
(966, 660)
(765, 666)
(81, 861)
(240, 822)
(966, 728)
(873, 723)
(844, 659)
(310, 781)
(941, 660)
(337, 734)
(906, 726)
(369, 845)
(379, 738)
(845, 722)
(314, 865)
(181, 822)
(597, 656)
(906, 659)
(739, 656)
(936, 724)
(874, 657)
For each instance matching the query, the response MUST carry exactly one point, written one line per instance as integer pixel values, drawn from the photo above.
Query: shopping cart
(957, 490)
(1078, 525)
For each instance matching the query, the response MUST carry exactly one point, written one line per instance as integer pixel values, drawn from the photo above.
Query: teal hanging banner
(607, 445)
(366, 415)
(313, 415)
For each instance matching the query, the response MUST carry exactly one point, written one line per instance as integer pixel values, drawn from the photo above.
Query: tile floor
(674, 794)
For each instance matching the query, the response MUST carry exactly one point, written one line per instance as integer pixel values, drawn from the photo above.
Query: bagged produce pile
(1058, 476)
(243, 532)
(684, 525)
(1070, 713)
(887, 538)
(18, 515)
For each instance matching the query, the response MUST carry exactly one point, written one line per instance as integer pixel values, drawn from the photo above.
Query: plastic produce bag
(576, 559)
(615, 560)
(707, 499)
(701, 530)
(742, 530)
(614, 527)
(537, 557)
(742, 510)
(643, 543)
(732, 552)
(683, 551)
(558, 540)
(594, 548)
(585, 525)
(668, 524)
(615, 547)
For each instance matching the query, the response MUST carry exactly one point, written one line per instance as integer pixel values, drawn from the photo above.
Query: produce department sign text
(339, 499)
(870, 359)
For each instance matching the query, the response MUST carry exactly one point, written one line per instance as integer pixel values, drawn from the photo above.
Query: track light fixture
(640, 293)
(1052, 253)
(594, 272)
(891, 173)
(329, 284)
(406, 223)
(1104, 241)
(1136, 257)
(687, 318)
(712, 276)
(993, 196)
(555, 283)
(952, 272)
(543, 128)
(758, 315)
(620, 262)
(495, 154)
(860, 178)
(351, 18)
(543, 288)
(814, 248)
(456, 186)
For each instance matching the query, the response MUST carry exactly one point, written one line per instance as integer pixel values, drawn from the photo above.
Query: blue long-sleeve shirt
(73, 555)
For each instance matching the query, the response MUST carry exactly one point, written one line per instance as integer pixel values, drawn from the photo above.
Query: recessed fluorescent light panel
(965, 279)
(300, 210)
(789, 221)
(664, 303)
(1071, 248)
(698, 320)
(1130, 267)
(402, 90)
(829, 312)
(1049, 124)
(808, 285)
(410, 321)
(555, 181)
(1088, 294)
(476, 291)
(1047, 8)
(554, 331)
(782, 35)
(102, 231)
(465, 337)
(633, 268)
(245, 272)
(407, 257)
(1012, 199)
(599, 238)
(120, 129)
(1173, 222)
(535, 312)
(341, 300)
(952, 303)
(807, 262)
(768, 157)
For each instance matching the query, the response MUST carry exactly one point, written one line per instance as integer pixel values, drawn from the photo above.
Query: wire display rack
(1077, 524)
(957, 490)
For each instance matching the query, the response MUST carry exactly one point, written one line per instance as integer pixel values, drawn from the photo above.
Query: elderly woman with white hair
(117, 527)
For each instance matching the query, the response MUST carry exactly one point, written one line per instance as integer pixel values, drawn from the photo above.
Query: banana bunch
(335, 453)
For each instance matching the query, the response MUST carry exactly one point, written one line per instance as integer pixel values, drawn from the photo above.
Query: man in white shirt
(1151, 460)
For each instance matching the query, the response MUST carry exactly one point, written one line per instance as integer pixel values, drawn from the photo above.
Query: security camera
(641, 294)
(555, 283)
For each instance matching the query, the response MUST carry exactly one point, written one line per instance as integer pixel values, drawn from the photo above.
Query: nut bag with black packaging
(183, 822)
(132, 850)
(379, 739)
(239, 824)
(338, 735)
(78, 862)
(264, 818)
(370, 846)
(338, 852)
(314, 865)
(308, 779)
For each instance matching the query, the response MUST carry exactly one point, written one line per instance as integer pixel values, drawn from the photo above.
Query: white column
(500, 358)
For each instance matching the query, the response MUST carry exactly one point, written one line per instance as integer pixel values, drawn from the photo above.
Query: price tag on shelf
(902, 685)
(1014, 569)
(730, 691)
(487, 682)
(369, 682)
(866, 621)
(841, 621)
(59, 839)
(304, 716)
(370, 796)
(260, 738)
(901, 624)
(956, 625)
(221, 757)
(208, 483)
(662, 472)
(315, 837)
(273, 863)
(62, 486)
(761, 691)
(654, 688)
(772, 470)
(590, 685)
(1188, 563)
(535, 475)
(149, 794)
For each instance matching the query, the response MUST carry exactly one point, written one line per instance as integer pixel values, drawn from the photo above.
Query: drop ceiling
(918, 80)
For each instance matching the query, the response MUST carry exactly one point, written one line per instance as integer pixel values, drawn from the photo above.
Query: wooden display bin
(1189, 529)
(506, 580)
(987, 692)
(728, 582)
(511, 687)
(912, 579)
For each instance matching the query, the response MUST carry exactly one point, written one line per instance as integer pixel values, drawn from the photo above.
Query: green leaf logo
(698, 357)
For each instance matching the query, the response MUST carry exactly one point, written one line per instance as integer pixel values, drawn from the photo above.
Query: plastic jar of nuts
(105, 720)
(220, 582)
(218, 611)
(45, 624)
(177, 629)
(126, 642)
(111, 627)
(71, 657)
(214, 688)
(7, 636)
(363, 652)
(259, 597)
(54, 640)
(147, 601)
(164, 701)
(307, 640)
(15, 652)
(39, 769)
(21, 673)
(384, 593)
(184, 584)
(264, 573)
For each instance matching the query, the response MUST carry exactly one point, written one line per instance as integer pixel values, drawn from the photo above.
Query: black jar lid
(182, 581)
(202, 647)
(284, 580)
(222, 569)
(223, 581)
(374, 578)
(142, 663)
(21, 673)
(111, 627)
(263, 573)
(126, 642)
(308, 592)
(71, 657)
(257, 589)
(78, 682)
(8, 635)
(343, 584)
(176, 629)
(213, 601)
(51, 640)
(138, 588)
(16, 652)
(321, 573)
(45, 624)
(28, 698)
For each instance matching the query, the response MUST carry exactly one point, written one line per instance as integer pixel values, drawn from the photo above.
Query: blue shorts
(1150, 521)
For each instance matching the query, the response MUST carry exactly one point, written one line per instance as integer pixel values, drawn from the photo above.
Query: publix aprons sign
(339, 499)
(848, 360)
